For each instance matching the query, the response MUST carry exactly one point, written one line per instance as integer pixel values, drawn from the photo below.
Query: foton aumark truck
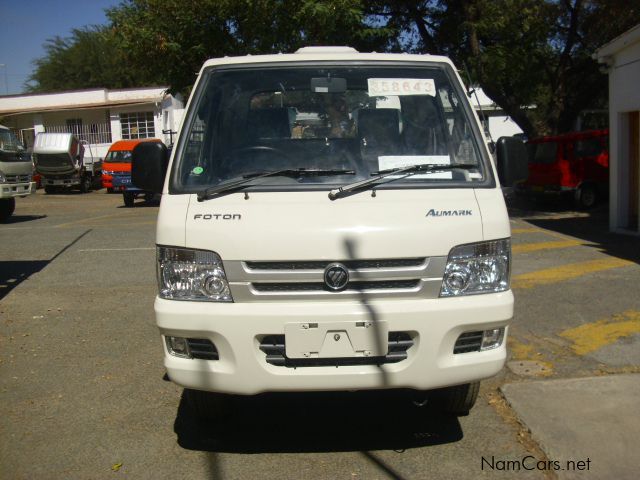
(60, 159)
(331, 220)
(16, 169)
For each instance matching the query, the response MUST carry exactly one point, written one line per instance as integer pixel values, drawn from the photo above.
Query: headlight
(483, 267)
(187, 274)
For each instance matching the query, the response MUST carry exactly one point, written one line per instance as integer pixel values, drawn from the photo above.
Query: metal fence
(93, 133)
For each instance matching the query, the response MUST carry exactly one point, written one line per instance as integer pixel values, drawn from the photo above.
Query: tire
(128, 198)
(148, 197)
(459, 399)
(586, 197)
(49, 189)
(85, 183)
(7, 207)
(208, 405)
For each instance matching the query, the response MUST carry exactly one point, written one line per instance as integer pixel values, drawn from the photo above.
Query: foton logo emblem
(449, 213)
(217, 216)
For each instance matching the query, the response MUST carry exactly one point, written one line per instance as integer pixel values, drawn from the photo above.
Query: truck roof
(328, 53)
(128, 145)
(53, 142)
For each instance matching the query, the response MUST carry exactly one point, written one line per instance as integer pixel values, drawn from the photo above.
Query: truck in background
(116, 170)
(60, 160)
(16, 170)
(573, 164)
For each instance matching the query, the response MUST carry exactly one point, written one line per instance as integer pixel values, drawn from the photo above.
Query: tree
(88, 58)
(170, 39)
(532, 57)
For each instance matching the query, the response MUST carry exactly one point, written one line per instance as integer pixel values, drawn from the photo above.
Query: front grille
(351, 264)
(320, 287)
(202, 348)
(18, 178)
(468, 342)
(274, 348)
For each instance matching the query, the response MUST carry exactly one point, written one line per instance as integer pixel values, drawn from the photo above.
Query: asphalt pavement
(83, 391)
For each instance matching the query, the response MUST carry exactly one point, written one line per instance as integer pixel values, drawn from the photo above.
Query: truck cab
(16, 169)
(116, 173)
(331, 220)
(60, 160)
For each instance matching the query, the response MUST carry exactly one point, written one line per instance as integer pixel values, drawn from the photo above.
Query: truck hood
(15, 167)
(307, 225)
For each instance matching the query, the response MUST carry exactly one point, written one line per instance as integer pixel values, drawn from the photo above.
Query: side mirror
(512, 161)
(149, 164)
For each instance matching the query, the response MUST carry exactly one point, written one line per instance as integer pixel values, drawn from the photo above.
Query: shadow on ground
(22, 218)
(14, 272)
(317, 422)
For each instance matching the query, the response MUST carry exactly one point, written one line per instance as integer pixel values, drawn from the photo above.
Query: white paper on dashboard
(386, 162)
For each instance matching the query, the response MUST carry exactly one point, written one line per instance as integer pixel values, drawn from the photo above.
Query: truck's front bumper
(8, 190)
(237, 328)
(61, 182)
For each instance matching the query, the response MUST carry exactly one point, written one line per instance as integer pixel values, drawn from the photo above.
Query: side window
(590, 147)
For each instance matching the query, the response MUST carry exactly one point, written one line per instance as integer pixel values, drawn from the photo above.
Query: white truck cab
(331, 220)
(16, 172)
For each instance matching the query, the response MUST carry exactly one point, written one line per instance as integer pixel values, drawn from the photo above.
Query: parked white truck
(331, 220)
(16, 172)
(60, 160)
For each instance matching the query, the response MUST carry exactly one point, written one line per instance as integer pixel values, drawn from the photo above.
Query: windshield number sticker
(401, 86)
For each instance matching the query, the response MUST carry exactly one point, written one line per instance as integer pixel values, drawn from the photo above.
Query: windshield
(121, 156)
(8, 141)
(364, 119)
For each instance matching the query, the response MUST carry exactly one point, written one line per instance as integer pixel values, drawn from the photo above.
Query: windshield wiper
(410, 170)
(247, 178)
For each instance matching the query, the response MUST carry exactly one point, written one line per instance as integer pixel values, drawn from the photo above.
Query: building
(97, 116)
(621, 58)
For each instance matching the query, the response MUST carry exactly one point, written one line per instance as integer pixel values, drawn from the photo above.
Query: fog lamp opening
(492, 338)
(178, 346)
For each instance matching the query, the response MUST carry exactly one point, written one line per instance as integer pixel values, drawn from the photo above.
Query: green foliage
(89, 58)
(533, 57)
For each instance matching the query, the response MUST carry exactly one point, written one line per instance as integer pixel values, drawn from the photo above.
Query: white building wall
(624, 98)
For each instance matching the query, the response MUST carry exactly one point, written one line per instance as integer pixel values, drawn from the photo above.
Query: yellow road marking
(593, 336)
(534, 247)
(527, 352)
(566, 272)
(525, 230)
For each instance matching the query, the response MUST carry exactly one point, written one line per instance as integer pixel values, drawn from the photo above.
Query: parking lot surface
(83, 392)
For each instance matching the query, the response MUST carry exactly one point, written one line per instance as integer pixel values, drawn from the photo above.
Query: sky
(25, 25)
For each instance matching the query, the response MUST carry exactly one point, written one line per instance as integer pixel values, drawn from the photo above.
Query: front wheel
(85, 183)
(459, 399)
(49, 189)
(7, 207)
(586, 197)
(128, 198)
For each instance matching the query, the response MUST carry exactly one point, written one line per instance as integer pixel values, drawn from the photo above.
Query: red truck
(572, 164)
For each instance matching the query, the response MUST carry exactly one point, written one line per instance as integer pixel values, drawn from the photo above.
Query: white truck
(331, 220)
(60, 160)
(16, 173)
